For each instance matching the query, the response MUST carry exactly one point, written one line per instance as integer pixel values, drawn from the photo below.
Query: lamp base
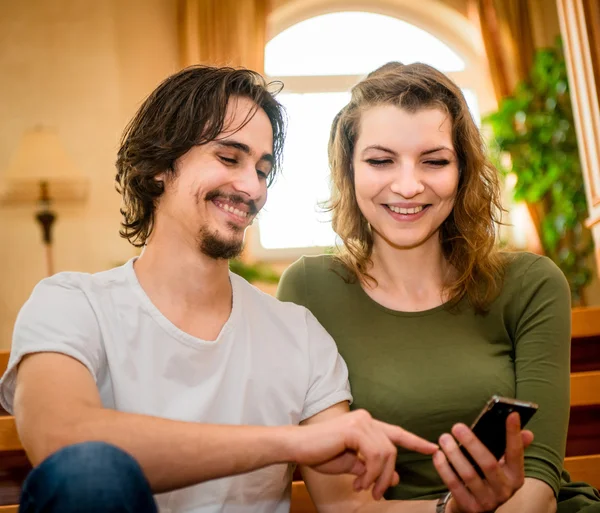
(46, 219)
(49, 260)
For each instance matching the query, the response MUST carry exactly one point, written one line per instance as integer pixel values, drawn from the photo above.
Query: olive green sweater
(427, 370)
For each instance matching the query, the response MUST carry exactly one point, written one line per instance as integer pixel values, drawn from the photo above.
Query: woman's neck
(408, 279)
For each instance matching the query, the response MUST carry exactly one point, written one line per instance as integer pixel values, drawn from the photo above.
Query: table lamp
(41, 172)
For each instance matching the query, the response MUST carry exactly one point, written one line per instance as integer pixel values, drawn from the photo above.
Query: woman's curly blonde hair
(468, 235)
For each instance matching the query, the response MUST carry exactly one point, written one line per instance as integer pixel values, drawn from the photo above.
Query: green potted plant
(535, 127)
(252, 273)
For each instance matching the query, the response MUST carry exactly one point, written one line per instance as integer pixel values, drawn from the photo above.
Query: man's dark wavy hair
(185, 110)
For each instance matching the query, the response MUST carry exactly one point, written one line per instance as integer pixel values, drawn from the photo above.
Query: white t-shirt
(272, 364)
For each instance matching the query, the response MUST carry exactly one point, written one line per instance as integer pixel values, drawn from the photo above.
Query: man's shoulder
(253, 297)
(75, 283)
(289, 320)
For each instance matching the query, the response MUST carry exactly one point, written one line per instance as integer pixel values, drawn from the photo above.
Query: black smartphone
(490, 424)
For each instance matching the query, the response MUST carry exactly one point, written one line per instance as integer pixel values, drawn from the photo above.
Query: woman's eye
(378, 162)
(437, 163)
(261, 174)
(228, 160)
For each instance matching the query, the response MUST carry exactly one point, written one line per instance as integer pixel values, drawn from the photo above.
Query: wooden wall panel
(580, 29)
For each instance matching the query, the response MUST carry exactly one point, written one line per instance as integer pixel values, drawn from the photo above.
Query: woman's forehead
(396, 126)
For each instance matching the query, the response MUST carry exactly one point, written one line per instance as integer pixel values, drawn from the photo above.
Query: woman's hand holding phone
(472, 493)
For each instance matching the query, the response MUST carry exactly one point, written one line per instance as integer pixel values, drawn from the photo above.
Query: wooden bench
(13, 463)
(583, 440)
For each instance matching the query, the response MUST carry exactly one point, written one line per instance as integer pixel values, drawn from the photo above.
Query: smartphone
(490, 424)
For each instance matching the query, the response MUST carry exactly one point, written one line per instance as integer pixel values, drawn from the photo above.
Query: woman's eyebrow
(380, 148)
(437, 148)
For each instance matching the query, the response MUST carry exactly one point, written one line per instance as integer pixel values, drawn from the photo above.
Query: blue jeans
(92, 477)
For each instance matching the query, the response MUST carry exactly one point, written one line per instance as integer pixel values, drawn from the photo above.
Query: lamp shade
(41, 157)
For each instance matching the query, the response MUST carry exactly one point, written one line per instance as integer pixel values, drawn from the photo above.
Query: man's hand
(355, 443)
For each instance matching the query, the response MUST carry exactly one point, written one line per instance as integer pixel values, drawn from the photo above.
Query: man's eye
(437, 163)
(378, 162)
(228, 160)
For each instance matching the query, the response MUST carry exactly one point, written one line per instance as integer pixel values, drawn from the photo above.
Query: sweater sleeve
(542, 364)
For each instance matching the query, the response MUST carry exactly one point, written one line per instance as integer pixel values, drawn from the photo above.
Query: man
(170, 376)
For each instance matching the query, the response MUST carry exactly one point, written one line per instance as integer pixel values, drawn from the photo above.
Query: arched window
(319, 59)
(353, 43)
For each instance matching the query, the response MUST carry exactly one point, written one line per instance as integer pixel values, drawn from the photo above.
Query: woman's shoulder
(529, 276)
(524, 268)
(316, 269)
(311, 276)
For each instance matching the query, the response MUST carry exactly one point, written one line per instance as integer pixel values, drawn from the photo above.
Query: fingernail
(461, 429)
(513, 422)
(445, 440)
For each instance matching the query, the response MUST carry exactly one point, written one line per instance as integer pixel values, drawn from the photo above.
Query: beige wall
(82, 67)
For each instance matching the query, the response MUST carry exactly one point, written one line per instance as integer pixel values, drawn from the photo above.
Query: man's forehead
(240, 108)
(249, 125)
(243, 138)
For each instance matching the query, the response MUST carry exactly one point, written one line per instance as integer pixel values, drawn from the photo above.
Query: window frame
(448, 25)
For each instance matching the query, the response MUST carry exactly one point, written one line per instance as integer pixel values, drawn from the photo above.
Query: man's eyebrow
(437, 148)
(245, 149)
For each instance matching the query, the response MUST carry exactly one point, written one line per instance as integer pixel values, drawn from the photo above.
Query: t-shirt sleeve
(56, 318)
(329, 375)
(542, 359)
(328, 372)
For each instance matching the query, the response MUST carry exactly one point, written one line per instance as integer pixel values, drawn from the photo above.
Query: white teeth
(233, 210)
(398, 210)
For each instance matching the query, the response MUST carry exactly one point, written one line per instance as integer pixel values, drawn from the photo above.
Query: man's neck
(178, 277)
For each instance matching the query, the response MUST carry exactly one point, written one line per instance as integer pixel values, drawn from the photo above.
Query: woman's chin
(405, 243)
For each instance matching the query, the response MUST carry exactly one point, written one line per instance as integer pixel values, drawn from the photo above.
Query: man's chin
(218, 248)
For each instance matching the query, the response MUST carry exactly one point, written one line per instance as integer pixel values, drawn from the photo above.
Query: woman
(431, 318)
